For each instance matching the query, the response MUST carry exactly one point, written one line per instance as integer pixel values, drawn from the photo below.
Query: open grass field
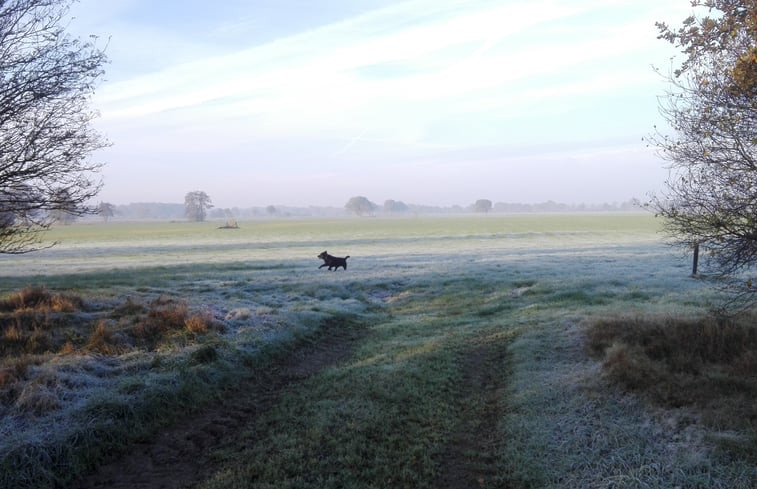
(481, 351)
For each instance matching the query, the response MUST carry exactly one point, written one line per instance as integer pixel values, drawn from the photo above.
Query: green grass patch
(385, 417)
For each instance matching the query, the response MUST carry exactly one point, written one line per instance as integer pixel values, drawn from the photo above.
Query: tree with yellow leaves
(711, 196)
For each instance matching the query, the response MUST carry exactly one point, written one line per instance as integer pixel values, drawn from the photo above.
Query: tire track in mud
(181, 456)
(470, 459)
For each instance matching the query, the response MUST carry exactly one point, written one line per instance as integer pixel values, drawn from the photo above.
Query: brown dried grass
(706, 363)
(31, 319)
(102, 341)
(39, 298)
(163, 318)
(26, 334)
(169, 316)
(68, 348)
(198, 323)
(682, 345)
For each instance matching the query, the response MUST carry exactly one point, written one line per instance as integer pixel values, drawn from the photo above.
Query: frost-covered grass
(431, 289)
(125, 245)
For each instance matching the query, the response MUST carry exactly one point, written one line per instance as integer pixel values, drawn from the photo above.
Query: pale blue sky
(296, 102)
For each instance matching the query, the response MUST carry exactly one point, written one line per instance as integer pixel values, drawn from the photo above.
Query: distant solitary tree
(106, 210)
(482, 205)
(271, 210)
(360, 206)
(46, 81)
(196, 205)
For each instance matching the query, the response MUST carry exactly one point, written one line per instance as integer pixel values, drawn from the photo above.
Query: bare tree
(196, 205)
(46, 80)
(711, 196)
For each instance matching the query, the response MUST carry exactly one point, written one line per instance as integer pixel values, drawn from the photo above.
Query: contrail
(349, 144)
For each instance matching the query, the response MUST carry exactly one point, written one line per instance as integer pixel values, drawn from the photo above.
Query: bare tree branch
(46, 138)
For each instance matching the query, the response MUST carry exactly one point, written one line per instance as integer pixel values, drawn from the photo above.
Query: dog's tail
(346, 257)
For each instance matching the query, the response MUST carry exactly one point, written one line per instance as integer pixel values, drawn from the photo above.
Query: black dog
(333, 261)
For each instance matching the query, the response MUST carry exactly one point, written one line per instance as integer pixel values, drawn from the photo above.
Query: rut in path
(470, 460)
(180, 456)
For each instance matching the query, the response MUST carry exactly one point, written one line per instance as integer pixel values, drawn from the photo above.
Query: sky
(435, 102)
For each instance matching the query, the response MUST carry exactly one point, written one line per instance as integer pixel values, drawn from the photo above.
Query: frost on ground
(257, 291)
(590, 433)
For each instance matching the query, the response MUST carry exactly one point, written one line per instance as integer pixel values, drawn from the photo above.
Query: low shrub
(683, 345)
(169, 316)
(37, 297)
(199, 323)
(33, 321)
(28, 298)
(706, 363)
(24, 333)
(102, 341)
(161, 318)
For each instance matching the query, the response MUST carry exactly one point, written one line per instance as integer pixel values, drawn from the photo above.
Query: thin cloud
(328, 57)
(406, 84)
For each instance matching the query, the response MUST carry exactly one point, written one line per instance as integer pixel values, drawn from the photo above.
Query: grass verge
(706, 364)
(156, 363)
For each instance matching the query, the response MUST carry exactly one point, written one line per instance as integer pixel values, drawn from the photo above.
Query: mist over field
(389, 208)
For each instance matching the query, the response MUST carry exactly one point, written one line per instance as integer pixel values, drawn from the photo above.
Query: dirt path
(470, 459)
(180, 457)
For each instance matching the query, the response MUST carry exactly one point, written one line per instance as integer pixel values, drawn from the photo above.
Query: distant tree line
(362, 206)
(175, 211)
(552, 206)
